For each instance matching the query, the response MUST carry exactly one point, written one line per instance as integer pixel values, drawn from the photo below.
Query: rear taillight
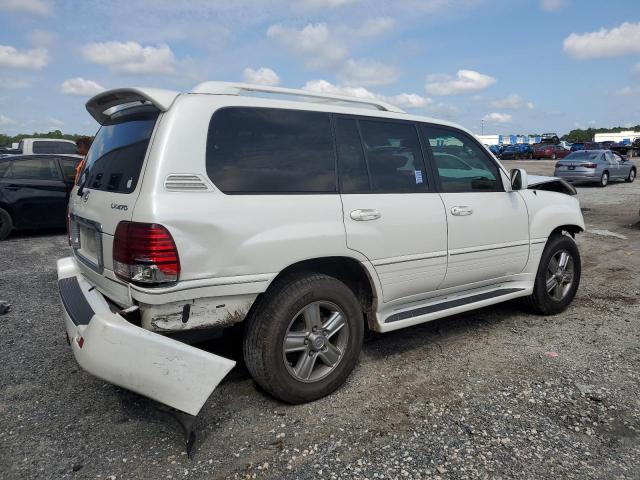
(589, 165)
(145, 253)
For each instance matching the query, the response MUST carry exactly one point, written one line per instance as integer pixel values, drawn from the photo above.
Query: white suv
(308, 217)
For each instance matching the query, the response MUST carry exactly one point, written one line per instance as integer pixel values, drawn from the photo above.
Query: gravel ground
(494, 393)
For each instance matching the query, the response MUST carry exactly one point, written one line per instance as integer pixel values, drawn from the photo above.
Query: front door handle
(365, 214)
(461, 211)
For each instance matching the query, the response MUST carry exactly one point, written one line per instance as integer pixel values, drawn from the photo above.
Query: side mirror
(519, 180)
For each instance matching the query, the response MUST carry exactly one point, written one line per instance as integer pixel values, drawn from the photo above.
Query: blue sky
(518, 66)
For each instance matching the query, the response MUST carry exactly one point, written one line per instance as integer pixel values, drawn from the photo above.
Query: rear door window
(394, 157)
(51, 146)
(268, 150)
(115, 159)
(354, 177)
(69, 166)
(33, 169)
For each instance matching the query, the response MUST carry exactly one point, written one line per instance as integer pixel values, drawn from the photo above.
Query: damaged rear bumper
(111, 348)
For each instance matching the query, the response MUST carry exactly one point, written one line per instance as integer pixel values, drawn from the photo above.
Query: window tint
(33, 169)
(69, 166)
(116, 155)
(4, 168)
(462, 165)
(352, 166)
(49, 146)
(268, 150)
(393, 156)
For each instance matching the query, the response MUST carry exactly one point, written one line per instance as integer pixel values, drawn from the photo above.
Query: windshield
(115, 159)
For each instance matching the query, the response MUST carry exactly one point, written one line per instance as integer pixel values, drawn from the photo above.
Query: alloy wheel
(560, 275)
(315, 341)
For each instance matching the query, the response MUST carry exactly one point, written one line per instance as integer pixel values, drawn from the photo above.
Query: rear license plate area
(86, 241)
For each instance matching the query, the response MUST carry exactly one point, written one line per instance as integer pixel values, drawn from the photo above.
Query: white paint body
(26, 144)
(232, 247)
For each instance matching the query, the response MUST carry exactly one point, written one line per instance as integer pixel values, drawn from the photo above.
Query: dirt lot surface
(495, 393)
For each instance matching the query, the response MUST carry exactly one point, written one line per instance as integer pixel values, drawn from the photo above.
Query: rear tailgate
(106, 194)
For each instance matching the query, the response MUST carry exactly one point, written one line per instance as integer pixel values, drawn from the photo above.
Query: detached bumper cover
(110, 348)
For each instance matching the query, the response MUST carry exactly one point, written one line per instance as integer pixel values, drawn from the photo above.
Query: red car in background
(550, 151)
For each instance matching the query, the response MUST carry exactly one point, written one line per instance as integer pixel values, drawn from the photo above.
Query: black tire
(631, 177)
(604, 179)
(269, 322)
(540, 301)
(6, 224)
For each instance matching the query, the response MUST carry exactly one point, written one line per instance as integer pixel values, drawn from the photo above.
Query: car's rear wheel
(558, 277)
(604, 179)
(6, 224)
(304, 337)
(632, 175)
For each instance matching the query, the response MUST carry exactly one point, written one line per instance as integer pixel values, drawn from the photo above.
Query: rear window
(49, 146)
(268, 150)
(115, 159)
(32, 169)
(583, 155)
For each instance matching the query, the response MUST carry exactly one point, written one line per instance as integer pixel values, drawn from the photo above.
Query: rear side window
(268, 150)
(463, 166)
(33, 169)
(69, 166)
(117, 153)
(49, 146)
(393, 155)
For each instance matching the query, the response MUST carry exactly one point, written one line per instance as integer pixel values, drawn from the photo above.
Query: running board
(438, 307)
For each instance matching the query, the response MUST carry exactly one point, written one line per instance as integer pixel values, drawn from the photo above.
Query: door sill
(454, 303)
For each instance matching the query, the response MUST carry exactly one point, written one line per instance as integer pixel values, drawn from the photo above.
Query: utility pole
(482, 126)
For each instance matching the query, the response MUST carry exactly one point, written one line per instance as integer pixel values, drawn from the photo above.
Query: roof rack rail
(231, 88)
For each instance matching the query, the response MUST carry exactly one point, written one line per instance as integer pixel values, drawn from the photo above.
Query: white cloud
(496, 117)
(55, 121)
(36, 7)
(627, 91)
(81, 87)
(313, 4)
(466, 81)
(510, 102)
(636, 69)
(132, 58)
(314, 43)
(14, 83)
(553, 5)
(444, 110)
(622, 40)
(373, 27)
(261, 76)
(403, 100)
(5, 120)
(367, 72)
(34, 59)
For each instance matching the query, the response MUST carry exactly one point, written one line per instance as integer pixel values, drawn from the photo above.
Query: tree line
(7, 140)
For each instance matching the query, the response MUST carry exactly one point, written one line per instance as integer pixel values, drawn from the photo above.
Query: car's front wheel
(632, 176)
(604, 179)
(557, 278)
(6, 224)
(304, 337)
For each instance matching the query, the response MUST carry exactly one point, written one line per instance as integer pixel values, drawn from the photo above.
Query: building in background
(507, 139)
(625, 137)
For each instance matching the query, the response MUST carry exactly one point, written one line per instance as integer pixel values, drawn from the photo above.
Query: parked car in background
(39, 146)
(496, 150)
(34, 191)
(585, 146)
(600, 166)
(546, 150)
(518, 151)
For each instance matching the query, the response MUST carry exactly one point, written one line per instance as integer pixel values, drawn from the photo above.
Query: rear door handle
(365, 214)
(461, 211)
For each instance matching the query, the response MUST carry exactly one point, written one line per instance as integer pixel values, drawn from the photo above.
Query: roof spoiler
(100, 106)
